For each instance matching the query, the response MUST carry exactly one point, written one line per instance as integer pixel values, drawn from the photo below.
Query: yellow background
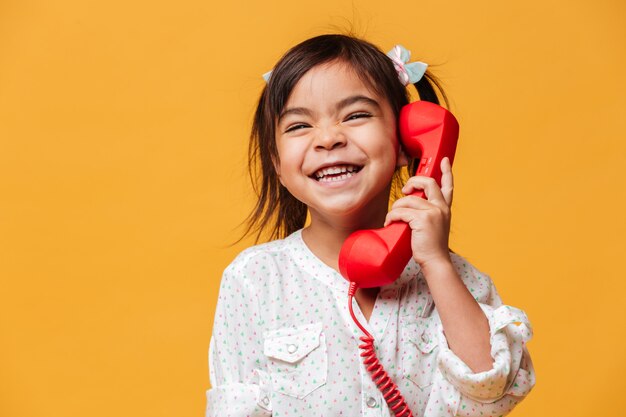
(123, 132)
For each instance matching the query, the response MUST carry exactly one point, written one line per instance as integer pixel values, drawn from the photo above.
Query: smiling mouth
(336, 173)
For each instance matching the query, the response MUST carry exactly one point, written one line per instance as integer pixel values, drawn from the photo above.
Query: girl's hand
(429, 219)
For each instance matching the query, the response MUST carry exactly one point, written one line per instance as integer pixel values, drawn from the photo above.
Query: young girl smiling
(284, 344)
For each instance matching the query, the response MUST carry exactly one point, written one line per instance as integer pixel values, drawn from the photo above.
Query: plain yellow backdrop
(123, 132)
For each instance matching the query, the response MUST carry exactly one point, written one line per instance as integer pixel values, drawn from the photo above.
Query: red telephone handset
(377, 257)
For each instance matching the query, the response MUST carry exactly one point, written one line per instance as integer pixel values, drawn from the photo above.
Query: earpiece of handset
(377, 257)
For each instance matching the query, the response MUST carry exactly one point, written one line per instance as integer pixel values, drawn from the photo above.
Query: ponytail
(426, 89)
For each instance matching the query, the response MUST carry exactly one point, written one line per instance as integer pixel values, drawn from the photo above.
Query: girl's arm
(464, 323)
(483, 359)
(498, 389)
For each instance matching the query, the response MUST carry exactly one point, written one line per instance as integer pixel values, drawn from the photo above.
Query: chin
(345, 211)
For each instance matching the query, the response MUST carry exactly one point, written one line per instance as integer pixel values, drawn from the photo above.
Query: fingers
(405, 215)
(429, 185)
(435, 194)
(414, 202)
(447, 180)
(421, 217)
(404, 209)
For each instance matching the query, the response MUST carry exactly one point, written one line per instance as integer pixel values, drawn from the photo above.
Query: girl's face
(337, 146)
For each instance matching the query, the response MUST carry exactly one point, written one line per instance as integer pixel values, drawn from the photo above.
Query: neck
(324, 237)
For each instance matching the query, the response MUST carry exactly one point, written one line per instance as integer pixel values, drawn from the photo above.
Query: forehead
(327, 83)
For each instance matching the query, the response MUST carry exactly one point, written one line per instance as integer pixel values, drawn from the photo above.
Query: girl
(283, 343)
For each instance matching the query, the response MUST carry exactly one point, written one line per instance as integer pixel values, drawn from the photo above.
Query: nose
(330, 138)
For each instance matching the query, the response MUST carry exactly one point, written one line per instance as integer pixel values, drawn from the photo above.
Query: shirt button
(371, 402)
(424, 337)
(292, 348)
(265, 401)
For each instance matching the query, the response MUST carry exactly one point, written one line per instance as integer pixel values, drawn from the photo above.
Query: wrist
(441, 265)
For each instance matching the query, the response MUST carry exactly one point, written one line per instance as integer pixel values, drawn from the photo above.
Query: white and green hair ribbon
(408, 72)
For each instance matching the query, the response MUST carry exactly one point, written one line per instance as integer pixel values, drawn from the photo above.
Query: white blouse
(284, 344)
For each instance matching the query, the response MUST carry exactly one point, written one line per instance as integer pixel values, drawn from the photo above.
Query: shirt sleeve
(512, 376)
(239, 386)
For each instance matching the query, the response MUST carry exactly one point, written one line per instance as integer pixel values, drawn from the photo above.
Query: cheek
(394, 141)
(385, 142)
(291, 157)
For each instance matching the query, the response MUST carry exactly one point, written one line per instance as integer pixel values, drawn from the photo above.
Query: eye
(295, 127)
(358, 115)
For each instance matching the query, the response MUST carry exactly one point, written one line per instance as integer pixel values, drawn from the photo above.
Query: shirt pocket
(297, 359)
(419, 351)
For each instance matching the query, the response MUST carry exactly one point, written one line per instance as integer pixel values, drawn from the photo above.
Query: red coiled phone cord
(380, 377)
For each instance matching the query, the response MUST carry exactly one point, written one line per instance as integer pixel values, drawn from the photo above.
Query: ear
(276, 164)
(403, 159)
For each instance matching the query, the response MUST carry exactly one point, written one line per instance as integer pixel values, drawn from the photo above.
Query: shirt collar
(308, 261)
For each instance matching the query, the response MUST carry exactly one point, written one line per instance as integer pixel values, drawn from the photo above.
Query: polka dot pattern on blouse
(284, 344)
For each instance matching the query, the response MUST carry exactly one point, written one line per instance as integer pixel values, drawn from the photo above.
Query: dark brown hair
(277, 211)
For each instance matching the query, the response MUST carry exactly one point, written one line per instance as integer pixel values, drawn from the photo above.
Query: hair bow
(408, 72)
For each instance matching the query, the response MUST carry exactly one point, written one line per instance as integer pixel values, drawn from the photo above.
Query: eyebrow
(340, 105)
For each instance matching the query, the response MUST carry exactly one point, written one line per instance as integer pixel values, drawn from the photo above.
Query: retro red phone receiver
(377, 257)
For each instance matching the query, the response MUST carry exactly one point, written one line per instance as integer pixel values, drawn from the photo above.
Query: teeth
(339, 178)
(336, 170)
